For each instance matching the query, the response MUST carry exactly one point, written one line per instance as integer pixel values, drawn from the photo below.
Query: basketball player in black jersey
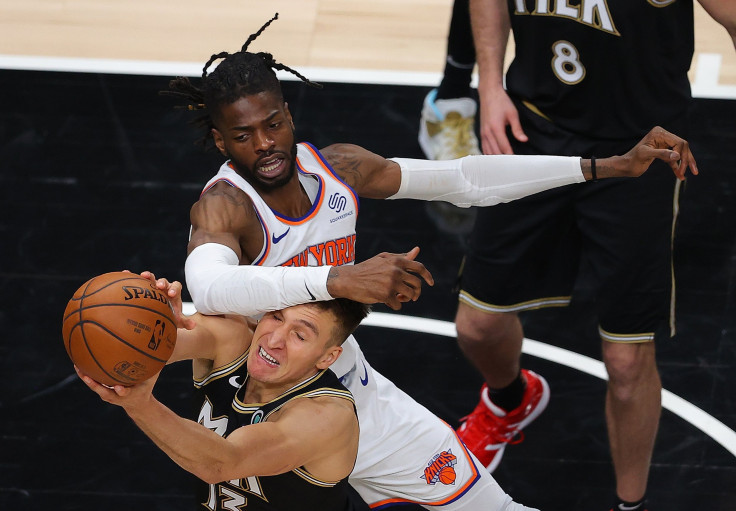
(587, 77)
(278, 431)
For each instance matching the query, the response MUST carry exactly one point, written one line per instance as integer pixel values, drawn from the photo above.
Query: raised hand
(386, 278)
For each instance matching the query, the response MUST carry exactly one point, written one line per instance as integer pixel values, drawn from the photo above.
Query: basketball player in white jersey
(276, 227)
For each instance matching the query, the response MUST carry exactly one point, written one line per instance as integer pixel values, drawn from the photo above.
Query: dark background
(98, 174)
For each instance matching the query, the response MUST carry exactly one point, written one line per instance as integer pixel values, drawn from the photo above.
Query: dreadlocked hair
(239, 74)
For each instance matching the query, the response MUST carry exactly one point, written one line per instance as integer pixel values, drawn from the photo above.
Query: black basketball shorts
(526, 254)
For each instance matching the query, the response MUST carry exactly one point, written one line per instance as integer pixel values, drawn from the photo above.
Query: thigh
(522, 255)
(627, 228)
(525, 254)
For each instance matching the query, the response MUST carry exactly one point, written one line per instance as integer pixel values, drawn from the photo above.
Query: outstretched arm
(219, 285)
(491, 179)
(314, 431)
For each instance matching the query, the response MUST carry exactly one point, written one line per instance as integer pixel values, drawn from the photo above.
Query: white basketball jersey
(325, 235)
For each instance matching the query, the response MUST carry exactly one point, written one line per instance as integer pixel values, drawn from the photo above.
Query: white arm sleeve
(485, 180)
(219, 285)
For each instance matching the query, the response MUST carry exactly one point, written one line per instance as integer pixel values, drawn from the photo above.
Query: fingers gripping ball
(119, 329)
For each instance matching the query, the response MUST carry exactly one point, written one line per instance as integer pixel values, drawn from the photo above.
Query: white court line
(672, 402)
(704, 85)
(164, 68)
(675, 404)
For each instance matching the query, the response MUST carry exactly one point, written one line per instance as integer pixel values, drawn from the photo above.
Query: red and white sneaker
(488, 429)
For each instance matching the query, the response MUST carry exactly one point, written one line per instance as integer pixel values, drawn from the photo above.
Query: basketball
(119, 329)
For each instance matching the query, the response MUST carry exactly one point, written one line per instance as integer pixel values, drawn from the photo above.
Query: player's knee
(480, 328)
(630, 367)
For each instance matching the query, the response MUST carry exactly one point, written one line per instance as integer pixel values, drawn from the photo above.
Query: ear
(219, 142)
(329, 357)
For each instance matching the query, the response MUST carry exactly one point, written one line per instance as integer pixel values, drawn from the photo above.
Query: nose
(263, 140)
(277, 338)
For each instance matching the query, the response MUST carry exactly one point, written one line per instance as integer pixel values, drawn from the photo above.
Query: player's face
(256, 133)
(291, 345)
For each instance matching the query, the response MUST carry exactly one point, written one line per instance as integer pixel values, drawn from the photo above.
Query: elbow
(213, 473)
(219, 472)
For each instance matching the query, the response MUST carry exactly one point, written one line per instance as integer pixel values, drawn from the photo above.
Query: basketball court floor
(99, 172)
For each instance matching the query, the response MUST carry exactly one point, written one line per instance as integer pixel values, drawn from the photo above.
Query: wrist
(139, 409)
(491, 85)
(612, 166)
(333, 282)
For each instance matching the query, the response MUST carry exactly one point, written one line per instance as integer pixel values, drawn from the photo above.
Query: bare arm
(657, 144)
(491, 28)
(724, 12)
(221, 339)
(370, 175)
(225, 215)
(320, 434)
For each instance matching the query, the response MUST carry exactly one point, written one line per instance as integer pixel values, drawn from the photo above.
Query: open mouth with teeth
(268, 358)
(271, 166)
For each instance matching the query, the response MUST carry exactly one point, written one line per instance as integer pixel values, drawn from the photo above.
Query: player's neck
(290, 200)
(263, 392)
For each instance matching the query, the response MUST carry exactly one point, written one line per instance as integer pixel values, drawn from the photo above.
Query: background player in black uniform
(586, 79)
(294, 448)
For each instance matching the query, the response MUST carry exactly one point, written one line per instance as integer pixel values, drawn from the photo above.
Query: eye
(299, 336)
(242, 137)
(275, 125)
(274, 316)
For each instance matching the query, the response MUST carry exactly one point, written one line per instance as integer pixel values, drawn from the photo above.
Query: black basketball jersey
(613, 68)
(223, 410)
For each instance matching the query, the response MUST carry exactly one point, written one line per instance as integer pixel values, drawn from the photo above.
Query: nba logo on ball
(158, 333)
(119, 329)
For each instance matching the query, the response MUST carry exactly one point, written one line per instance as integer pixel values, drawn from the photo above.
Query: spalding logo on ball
(119, 329)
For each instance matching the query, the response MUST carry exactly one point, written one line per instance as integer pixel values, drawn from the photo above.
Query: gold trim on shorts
(626, 338)
(539, 303)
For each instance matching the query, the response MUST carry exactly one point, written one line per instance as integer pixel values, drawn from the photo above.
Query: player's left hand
(131, 397)
(661, 144)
